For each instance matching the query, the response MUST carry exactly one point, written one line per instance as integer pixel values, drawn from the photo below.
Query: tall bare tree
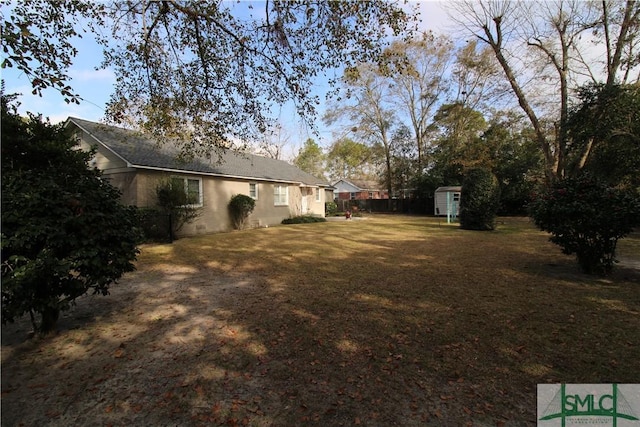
(368, 114)
(418, 74)
(556, 33)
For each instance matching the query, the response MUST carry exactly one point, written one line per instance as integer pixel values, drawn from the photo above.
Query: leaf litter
(410, 322)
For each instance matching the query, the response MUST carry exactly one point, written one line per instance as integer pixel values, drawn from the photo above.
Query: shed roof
(142, 151)
(449, 189)
(361, 184)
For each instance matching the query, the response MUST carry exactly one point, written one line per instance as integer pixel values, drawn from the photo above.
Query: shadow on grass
(379, 322)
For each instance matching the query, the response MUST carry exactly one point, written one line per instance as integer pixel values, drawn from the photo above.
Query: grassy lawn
(382, 321)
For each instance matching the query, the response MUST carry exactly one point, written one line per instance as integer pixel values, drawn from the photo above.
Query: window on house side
(253, 190)
(193, 189)
(352, 196)
(318, 199)
(280, 195)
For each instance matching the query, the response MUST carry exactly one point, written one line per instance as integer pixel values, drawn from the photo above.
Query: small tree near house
(175, 201)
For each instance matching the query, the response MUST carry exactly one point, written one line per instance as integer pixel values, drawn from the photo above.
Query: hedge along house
(135, 163)
(447, 201)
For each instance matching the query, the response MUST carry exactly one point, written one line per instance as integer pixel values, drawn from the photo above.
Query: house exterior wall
(113, 169)
(138, 188)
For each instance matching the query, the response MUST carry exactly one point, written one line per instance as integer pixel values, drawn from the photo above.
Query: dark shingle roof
(142, 151)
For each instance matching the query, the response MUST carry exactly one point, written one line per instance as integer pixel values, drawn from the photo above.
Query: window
(253, 190)
(318, 198)
(280, 195)
(352, 196)
(192, 188)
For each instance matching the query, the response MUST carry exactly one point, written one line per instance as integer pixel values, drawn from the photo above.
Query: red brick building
(354, 189)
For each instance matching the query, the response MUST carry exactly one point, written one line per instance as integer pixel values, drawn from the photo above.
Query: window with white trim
(318, 198)
(281, 195)
(253, 190)
(192, 188)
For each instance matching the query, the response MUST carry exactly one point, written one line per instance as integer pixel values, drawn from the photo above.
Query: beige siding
(138, 187)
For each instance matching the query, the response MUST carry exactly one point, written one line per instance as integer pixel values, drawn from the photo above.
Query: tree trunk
(50, 317)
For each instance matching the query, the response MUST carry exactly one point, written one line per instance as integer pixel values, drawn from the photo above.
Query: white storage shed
(447, 201)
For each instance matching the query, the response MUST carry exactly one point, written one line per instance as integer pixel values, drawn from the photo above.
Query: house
(447, 201)
(135, 163)
(358, 190)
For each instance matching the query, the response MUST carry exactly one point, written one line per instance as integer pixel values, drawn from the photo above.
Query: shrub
(155, 225)
(173, 199)
(64, 231)
(240, 207)
(330, 208)
(586, 217)
(479, 200)
(303, 219)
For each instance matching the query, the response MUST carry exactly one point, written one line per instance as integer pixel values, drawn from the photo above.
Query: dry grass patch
(388, 320)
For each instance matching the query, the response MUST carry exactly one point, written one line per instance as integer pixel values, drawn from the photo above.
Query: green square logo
(562, 405)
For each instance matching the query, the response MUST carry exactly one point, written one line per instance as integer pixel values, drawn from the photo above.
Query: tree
(273, 141)
(553, 32)
(417, 72)
(206, 72)
(38, 36)
(479, 199)
(369, 114)
(310, 158)
(176, 201)
(514, 158)
(608, 120)
(349, 159)
(64, 231)
(587, 218)
(457, 129)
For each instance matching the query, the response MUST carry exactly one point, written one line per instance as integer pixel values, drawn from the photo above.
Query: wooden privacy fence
(408, 206)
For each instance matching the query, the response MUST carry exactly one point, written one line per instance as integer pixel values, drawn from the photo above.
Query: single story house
(135, 163)
(447, 201)
(358, 190)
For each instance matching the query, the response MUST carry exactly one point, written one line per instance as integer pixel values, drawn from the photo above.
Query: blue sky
(95, 85)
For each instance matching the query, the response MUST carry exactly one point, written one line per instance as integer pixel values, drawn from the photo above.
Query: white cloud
(90, 75)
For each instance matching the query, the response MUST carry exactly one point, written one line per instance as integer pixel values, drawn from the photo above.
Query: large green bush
(64, 231)
(330, 208)
(240, 207)
(585, 217)
(479, 200)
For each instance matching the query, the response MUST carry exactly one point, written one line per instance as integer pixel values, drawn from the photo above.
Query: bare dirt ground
(130, 358)
(353, 323)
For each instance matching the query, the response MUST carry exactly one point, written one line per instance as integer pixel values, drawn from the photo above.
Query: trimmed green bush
(479, 200)
(586, 217)
(303, 219)
(330, 208)
(240, 207)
